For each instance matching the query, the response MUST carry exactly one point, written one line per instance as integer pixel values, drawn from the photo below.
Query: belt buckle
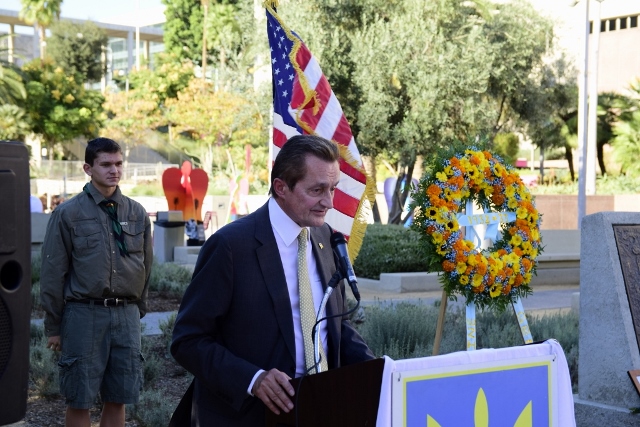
(117, 301)
(105, 302)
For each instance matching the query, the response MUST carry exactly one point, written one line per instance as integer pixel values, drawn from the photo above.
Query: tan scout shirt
(80, 257)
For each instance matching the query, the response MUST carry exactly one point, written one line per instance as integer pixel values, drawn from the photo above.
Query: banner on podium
(515, 393)
(520, 386)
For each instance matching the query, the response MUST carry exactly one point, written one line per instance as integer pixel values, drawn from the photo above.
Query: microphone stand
(337, 277)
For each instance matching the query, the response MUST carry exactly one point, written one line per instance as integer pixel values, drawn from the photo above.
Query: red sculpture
(185, 189)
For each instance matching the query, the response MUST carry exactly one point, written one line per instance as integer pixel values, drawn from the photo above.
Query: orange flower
(519, 280)
(448, 266)
(506, 289)
(433, 190)
(497, 199)
(478, 289)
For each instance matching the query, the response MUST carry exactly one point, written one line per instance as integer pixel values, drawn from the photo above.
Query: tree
(183, 29)
(58, 106)
(13, 123)
(626, 142)
(11, 85)
(133, 112)
(42, 13)
(78, 48)
(219, 123)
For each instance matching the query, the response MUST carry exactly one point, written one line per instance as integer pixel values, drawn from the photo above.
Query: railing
(72, 170)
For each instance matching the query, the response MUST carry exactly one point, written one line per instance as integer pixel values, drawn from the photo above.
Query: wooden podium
(347, 396)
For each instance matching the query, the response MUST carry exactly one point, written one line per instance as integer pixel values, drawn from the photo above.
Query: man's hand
(274, 390)
(54, 343)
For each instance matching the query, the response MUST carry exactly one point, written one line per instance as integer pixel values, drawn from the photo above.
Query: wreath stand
(518, 309)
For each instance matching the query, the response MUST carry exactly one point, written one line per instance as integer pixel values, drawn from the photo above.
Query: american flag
(303, 103)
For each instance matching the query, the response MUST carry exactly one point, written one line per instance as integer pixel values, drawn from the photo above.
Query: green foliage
(152, 367)
(389, 248)
(58, 106)
(166, 80)
(403, 331)
(77, 49)
(152, 409)
(36, 264)
(627, 145)
(13, 122)
(621, 184)
(166, 326)
(506, 145)
(11, 84)
(43, 364)
(183, 29)
(170, 278)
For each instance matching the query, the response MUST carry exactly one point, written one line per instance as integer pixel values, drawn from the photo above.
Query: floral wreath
(491, 277)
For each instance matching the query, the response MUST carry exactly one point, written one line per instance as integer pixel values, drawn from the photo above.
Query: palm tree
(42, 13)
(627, 144)
(11, 86)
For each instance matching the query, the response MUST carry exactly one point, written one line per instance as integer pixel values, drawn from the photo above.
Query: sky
(98, 10)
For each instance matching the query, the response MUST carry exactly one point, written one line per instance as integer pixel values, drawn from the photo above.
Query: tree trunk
(569, 156)
(600, 150)
(541, 163)
(369, 163)
(400, 194)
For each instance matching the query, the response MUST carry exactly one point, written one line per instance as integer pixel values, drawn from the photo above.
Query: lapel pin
(321, 245)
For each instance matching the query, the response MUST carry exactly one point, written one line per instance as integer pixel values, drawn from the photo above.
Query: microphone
(339, 245)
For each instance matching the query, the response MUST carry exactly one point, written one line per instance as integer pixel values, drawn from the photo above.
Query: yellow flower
(477, 280)
(441, 176)
(461, 267)
(512, 203)
(495, 290)
(472, 260)
(68, 99)
(448, 170)
(516, 240)
(535, 235)
(437, 238)
(510, 192)
(464, 280)
(56, 94)
(522, 212)
(58, 70)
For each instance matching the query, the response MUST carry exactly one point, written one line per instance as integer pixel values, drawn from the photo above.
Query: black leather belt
(106, 302)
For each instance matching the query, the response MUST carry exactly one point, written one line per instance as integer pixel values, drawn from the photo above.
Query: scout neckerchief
(111, 209)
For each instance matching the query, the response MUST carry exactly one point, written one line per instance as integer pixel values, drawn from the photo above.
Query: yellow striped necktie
(307, 309)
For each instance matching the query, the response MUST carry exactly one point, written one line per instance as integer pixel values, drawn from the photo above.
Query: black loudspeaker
(15, 280)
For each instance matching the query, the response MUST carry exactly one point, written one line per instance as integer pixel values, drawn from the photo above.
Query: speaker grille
(6, 337)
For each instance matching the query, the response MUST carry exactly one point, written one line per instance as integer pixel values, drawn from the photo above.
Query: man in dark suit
(239, 329)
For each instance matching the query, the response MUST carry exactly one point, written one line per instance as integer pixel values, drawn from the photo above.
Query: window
(623, 23)
(633, 21)
(603, 26)
(590, 27)
(612, 24)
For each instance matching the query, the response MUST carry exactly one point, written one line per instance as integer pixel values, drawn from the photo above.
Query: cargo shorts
(100, 353)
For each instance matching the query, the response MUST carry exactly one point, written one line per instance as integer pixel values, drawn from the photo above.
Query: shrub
(169, 278)
(166, 326)
(36, 264)
(43, 364)
(152, 409)
(35, 297)
(405, 330)
(389, 248)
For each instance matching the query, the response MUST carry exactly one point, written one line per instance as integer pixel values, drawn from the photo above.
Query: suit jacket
(235, 318)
